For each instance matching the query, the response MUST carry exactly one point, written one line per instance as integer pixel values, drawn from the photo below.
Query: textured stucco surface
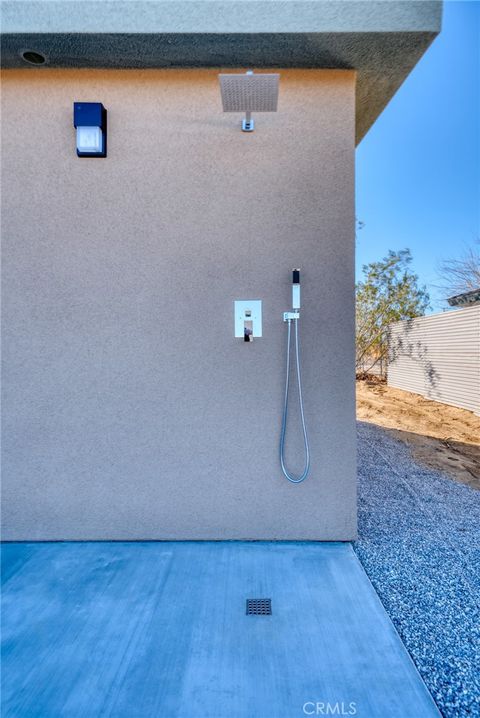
(382, 40)
(130, 410)
(220, 16)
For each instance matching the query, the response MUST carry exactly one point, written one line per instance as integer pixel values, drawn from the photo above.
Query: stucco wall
(130, 410)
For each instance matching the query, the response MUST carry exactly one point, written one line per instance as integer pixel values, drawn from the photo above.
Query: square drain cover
(259, 606)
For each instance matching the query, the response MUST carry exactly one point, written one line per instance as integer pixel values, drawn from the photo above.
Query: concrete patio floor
(159, 630)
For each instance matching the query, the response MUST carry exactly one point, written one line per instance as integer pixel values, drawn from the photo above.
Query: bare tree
(462, 274)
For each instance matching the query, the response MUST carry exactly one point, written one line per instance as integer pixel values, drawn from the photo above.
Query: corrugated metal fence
(438, 356)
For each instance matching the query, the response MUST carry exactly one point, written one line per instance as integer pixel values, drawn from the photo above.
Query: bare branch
(462, 274)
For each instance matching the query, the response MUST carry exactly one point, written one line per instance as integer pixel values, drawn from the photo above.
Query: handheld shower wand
(290, 317)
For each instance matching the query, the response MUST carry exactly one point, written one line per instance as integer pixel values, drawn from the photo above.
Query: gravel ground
(419, 542)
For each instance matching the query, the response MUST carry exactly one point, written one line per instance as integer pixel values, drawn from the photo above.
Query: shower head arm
(248, 125)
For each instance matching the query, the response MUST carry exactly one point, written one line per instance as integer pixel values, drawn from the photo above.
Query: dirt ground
(440, 436)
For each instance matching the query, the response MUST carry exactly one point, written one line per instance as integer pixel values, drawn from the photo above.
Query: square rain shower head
(249, 92)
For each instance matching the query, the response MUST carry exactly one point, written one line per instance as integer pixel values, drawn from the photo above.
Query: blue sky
(418, 168)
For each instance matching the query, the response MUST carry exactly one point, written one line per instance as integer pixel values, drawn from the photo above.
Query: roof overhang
(381, 39)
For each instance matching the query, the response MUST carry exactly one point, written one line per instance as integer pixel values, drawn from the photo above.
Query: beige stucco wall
(130, 410)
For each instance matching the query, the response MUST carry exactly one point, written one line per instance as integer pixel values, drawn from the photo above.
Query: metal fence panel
(438, 356)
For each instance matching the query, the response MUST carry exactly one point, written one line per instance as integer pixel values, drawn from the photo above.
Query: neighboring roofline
(381, 39)
(465, 299)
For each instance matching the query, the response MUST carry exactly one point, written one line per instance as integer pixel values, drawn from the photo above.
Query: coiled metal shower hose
(291, 477)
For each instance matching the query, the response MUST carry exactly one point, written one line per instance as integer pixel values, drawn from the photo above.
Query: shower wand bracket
(288, 316)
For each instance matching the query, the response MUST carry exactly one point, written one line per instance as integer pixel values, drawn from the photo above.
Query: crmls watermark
(319, 708)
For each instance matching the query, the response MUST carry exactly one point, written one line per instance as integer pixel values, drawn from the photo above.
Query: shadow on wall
(401, 345)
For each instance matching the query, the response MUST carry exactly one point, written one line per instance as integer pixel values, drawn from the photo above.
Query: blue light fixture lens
(90, 121)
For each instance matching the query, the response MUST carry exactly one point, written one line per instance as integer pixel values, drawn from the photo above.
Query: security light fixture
(90, 121)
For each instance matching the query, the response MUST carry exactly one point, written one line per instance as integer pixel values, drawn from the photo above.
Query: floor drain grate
(259, 606)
